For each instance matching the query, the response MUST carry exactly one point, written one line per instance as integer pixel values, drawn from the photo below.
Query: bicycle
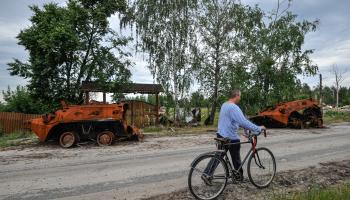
(209, 185)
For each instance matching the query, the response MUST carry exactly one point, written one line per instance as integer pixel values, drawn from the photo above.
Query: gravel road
(134, 170)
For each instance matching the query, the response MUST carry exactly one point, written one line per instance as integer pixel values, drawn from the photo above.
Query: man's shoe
(206, 180)
(241, 179)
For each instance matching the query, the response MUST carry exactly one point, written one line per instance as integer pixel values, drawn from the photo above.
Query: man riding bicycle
(231, 118)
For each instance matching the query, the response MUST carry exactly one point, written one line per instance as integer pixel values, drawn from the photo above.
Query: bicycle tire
(195, 163)
(251, 179)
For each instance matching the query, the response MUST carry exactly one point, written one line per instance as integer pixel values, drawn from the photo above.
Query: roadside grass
(159, 131)
(336, 117)
(17, 138)
(329, 117)
(338, 192)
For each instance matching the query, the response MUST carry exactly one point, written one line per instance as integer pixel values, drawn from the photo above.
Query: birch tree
(338, 80)
(216, 28)
(164, 30)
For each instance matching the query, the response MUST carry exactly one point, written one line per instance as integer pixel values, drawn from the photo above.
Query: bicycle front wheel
(261, 167)
(208, 176)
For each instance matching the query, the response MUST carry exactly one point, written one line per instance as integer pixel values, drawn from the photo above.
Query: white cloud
(338, 53)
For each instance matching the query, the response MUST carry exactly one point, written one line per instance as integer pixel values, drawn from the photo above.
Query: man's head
(235, 96)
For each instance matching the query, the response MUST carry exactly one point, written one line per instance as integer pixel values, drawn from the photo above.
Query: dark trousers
(235, 156)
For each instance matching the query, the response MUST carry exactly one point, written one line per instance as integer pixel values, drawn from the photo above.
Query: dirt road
(140, 170)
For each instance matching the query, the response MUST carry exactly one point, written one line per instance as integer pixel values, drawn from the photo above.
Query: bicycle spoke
(208, 178)
(262, 170)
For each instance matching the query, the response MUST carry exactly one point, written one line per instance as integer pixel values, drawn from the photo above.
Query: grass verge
(159, 131)
(17, 138)
(338, 192)
(336, 117)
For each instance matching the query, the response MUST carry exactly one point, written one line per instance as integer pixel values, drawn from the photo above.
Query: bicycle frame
(252, 150)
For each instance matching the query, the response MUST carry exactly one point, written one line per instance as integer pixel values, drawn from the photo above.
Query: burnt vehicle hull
(303, 113)
(102, 123)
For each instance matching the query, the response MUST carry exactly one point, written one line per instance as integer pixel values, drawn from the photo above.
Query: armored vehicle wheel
(134, 138)
(68, 139)
(105, 138)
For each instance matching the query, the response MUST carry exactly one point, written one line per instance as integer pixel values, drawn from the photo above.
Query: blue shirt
(230, 119)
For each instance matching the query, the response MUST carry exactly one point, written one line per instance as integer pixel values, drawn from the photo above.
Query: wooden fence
(141, 113)
(11, 121)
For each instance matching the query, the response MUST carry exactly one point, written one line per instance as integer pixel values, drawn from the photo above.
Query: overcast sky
(331, 41)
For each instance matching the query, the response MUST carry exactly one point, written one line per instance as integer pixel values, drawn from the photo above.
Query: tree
(305, 91)
(328, 95)
(71, 44)
(198, 100)
(275, 55)
(338, 76)
(20, 100)
(165, 31)
(216, 22)
(344, 96)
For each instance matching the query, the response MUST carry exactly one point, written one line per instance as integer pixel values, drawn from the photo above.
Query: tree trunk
(212, 112)
(216, 81)
(216, 89)
(176, 94)
(337, 101)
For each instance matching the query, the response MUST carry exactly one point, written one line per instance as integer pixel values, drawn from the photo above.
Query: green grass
(335, 117)
(17, 138)
(148, 129)
(339, 192)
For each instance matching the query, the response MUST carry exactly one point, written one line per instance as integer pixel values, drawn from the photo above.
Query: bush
(20, 100)
(1, 131)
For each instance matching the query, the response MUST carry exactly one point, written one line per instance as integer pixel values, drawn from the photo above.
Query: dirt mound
(324, 175)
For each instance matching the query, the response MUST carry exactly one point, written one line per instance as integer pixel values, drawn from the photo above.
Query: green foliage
(152, 129)
(71, 44)
(344, 96)
(20, 100)
(328, 95)
(217, 26)
(340, 192)
(245, 48)
(273, 50)
(198, 100)
(1, 131)
(165, 31)
(2, 106)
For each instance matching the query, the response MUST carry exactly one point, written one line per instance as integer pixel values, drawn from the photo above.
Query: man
(231, 118)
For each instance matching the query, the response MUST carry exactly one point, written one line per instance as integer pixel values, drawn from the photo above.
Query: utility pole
(321, 95)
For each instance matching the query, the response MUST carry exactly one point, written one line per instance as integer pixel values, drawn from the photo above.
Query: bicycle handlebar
(250, 135)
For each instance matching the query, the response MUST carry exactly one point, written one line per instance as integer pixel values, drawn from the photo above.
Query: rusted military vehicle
(295, 114)
(102, 123)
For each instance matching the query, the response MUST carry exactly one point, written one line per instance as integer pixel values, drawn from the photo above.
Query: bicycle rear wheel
(261, 167)
(208, 176)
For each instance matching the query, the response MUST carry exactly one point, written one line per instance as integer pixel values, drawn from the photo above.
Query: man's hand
(246, 133)
(263, 128)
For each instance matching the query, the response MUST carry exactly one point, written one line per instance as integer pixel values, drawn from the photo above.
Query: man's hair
(235, 93)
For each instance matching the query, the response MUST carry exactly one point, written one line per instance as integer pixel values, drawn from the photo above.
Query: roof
(143, 88)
